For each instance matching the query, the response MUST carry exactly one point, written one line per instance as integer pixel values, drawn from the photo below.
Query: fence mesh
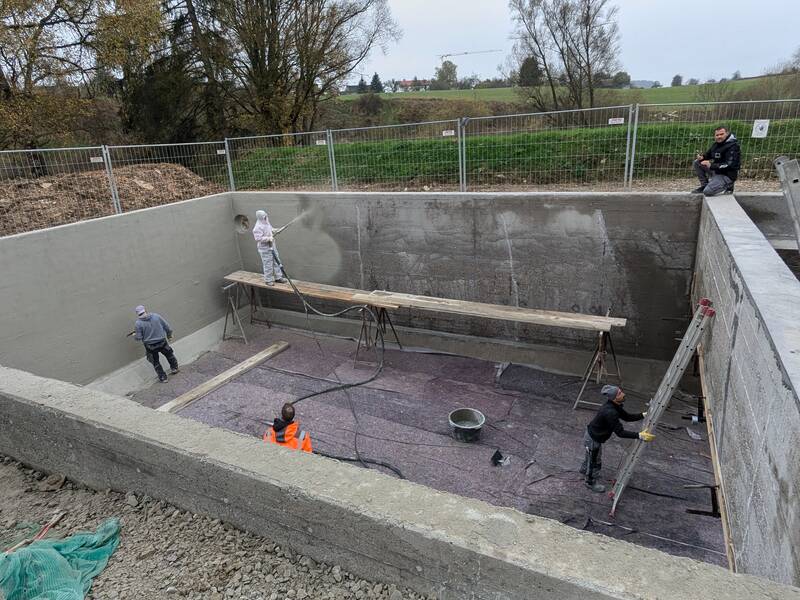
(44, 188)
(562, 149)
(164, 173)
(417, 157)
(669, 136)
(601, 148)
(297, 161)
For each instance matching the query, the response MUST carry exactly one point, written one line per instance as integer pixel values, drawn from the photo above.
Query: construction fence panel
(555, 150)
(415, 157)
(292, 161)
(48, 187)
(152, 175)
(669, 136)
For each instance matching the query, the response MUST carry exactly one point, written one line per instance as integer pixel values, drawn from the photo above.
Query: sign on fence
(321, 142)
(616, 121)
(448, 132)
(760, 128)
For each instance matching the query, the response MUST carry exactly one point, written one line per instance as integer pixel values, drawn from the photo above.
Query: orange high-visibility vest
(289, 437)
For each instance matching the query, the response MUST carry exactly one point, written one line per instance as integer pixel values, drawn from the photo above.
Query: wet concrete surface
(400, 419)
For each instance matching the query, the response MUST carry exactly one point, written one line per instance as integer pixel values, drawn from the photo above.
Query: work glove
(644, 414)
(646, 436)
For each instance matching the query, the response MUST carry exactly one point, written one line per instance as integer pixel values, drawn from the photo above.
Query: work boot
(596, 487)
(162, 377)
(282, 280)
(270, 283)
(174, 370)
(698, 190)
(728, 189)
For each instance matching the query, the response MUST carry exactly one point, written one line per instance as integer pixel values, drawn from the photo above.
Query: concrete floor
(401, 419)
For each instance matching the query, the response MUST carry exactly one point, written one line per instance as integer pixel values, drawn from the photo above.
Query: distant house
(409, 85)
(350, 89)
(645, 84)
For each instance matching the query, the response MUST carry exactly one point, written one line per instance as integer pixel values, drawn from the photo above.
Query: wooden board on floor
(212, 384)
(313, 290)
(490, 311)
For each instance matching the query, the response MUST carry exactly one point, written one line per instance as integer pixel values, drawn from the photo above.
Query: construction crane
(443, 56)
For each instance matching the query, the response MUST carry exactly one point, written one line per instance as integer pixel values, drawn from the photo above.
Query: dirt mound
(29, 204)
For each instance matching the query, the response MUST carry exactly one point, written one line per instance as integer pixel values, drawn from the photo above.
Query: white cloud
(659, 38)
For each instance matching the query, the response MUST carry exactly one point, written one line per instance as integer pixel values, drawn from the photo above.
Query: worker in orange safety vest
(285, 432)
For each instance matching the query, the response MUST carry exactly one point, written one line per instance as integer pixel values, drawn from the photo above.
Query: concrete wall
(573, 252)
(770, 213)
(371, 524)
(752, 375)
(67, 293)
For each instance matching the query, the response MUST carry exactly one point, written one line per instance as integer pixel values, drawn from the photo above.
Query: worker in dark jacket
(721, 162)
(153, 331)
(285, 432)
(606, 422)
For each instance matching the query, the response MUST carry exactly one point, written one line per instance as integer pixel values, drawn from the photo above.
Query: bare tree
(573, 41)
(48, 48)
(276, 60)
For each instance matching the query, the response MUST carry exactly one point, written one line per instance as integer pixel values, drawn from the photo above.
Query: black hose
(363, 460)
(344, 386)
(306, 307)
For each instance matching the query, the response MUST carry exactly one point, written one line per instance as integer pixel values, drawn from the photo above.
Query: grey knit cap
(609, 392)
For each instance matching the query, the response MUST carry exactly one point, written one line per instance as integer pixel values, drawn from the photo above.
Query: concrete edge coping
(594, 563)
(772, 287)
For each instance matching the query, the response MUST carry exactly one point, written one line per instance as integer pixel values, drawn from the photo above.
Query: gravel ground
(168, 553)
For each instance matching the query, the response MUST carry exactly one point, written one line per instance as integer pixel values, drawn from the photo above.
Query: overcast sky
(659, 37)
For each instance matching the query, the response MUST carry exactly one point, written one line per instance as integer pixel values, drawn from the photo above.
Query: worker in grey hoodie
(154, 331)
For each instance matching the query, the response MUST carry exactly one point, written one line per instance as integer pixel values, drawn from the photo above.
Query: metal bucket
(466, 424)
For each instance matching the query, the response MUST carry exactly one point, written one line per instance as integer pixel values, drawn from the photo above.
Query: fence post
(230, 165)
(460, 157)
(462, 151)
(332, 160)
(111, 181)
(627, 148)
(633, 146)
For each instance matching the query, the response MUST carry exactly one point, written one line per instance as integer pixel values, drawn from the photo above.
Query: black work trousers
(153, 349)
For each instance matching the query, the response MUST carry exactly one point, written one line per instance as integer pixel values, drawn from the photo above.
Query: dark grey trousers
(593, 459)
(716, 184)
(152, 351)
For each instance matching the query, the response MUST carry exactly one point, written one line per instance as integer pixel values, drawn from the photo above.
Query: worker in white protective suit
(264, 235)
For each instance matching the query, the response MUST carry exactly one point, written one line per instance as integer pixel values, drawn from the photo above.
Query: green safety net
(58, 569)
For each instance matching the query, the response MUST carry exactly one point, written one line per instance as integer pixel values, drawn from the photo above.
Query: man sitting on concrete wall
(721, 161)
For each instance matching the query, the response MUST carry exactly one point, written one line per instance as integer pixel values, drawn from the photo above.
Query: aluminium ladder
(664, 393)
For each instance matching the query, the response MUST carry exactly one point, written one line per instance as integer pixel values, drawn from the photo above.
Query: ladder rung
(664, 392)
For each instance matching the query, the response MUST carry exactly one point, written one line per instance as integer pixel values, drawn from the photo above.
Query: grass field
(575, 155)
(684, 93)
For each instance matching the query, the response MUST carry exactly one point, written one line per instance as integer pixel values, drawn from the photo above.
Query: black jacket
(606, 422)
(725, 157)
